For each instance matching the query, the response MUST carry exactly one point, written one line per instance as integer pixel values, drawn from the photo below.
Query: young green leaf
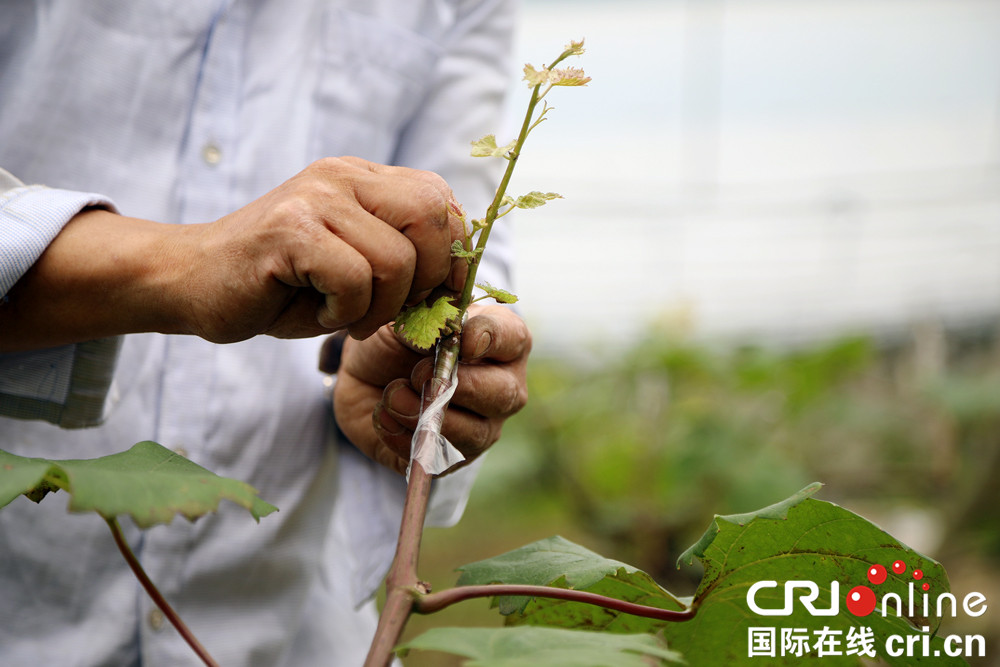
(421, 325)
(487, 147)
(534, 199)
(535, 77)
(563, 76)
(516, 647)
(497, 294)
(574, 48)
(148, 482)
(568, 76)
(458, 250)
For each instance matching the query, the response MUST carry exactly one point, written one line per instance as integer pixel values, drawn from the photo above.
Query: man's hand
(376, 399)
(342, 245)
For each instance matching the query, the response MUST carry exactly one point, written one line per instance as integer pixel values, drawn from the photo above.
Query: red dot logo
(860, 600)
(899, 567)
(877, 574)
(918, 574)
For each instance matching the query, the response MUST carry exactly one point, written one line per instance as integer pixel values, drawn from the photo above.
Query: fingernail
(482, 345)
(384, 423)
(394, 410)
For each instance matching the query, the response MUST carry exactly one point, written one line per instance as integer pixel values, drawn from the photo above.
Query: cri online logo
(861, 600)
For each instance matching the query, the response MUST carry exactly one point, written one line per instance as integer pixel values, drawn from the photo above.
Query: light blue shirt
(183, 111)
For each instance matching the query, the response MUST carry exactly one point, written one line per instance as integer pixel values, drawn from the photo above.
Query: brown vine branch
(402, 578)
(157, 597)
(432, 602)
(401, 583)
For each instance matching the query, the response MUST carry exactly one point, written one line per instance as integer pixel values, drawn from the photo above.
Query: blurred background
(778, 261)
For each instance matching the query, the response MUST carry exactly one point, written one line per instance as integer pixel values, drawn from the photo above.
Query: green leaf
(497, 294)
(534, 199)
(148, 482)
(517, 647)
(487, 147)
(423, 324)
(559, 562)
(540, 563)
(778, 510)
(458, 250)
(800, 539)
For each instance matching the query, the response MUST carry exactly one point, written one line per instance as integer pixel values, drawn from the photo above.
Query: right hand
(343, 244)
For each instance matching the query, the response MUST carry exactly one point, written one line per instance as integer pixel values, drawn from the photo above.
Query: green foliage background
(632, 454)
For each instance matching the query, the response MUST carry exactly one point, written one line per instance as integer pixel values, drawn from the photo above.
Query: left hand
(376, 399)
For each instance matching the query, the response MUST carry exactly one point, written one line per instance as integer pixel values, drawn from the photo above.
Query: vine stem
(402, 586)
(155, 594)
(432, 602)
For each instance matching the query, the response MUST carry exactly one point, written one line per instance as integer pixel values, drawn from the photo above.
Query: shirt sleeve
(70, 385)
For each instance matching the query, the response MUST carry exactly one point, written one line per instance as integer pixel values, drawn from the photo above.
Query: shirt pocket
(373, 76)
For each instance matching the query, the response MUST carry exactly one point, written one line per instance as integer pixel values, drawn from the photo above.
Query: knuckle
(293, 210)
(397, 257)
(328, 165)
(514, 397)
(524, 336)
(481, 434)
(435, 180)
(348, 301)
(357, 276)
(431, 203)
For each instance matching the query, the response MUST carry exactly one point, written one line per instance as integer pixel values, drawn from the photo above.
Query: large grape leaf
(148, 482)
(797, 539)
(804, 539)
(551, 647)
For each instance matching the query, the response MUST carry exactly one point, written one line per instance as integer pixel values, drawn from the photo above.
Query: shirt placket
(205, 193)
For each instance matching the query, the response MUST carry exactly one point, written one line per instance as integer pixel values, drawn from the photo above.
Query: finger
(495, 333)
(472, 434)
(300, 316)
(355, 408)
(392, 260)
(336, 270)
(392, 436)
(488, 390)
(459, 266)
(379, 359)
(417, 205)
(395, 428)
(428, 177)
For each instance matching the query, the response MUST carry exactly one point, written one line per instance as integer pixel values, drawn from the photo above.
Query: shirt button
(156, 619)
(211, 154)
